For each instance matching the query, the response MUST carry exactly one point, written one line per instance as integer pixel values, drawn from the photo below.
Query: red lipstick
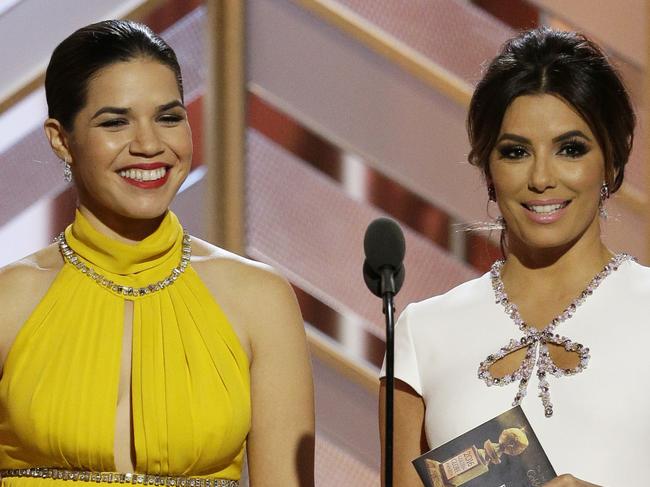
(147, 166)
(151, 184)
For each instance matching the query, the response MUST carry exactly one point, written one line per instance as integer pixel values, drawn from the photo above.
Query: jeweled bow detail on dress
(536, 341)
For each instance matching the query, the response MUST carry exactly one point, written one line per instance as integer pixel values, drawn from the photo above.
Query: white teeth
(545, 208)
(143, 174)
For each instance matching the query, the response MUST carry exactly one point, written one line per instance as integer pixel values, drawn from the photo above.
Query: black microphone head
(384, 244)
(373, 280)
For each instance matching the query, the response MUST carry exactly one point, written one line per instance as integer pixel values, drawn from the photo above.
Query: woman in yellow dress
(130, 351)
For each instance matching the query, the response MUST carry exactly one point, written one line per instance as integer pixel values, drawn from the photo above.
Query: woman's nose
(146, 141)
(542, 176)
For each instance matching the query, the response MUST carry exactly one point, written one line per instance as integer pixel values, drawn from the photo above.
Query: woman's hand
(568, 480)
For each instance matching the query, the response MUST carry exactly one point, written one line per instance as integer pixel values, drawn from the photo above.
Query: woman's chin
(146, 214)
(544, 244)
(110, 216)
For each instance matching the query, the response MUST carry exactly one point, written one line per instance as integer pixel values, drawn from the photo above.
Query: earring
(500, 223)
(604, 191)
(492, 194)
(67, 170)
(604, 195)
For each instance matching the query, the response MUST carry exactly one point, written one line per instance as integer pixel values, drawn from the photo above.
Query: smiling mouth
(143, 175)
(546, 209)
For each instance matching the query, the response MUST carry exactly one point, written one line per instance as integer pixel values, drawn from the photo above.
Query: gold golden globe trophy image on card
(472, 459)
(473, 462)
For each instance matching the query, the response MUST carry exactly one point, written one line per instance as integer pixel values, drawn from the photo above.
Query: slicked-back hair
(80, 57)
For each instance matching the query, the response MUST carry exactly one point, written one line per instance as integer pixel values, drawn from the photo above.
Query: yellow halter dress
(190, 384)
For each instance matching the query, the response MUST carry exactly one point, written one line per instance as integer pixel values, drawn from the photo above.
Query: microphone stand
(387, 293)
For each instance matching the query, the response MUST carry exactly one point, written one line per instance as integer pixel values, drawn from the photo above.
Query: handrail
(21, 92)
(392, 48)
(329, 352)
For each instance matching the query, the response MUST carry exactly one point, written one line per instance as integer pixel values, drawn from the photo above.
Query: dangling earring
(67, 170)
(604, 195)
(498, 223)
(492, 194)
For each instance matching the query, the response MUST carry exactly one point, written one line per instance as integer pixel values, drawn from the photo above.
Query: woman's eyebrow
(170, 105)
(566, 135)
(571, 134)
(125, 111)
(115, 110)
(513, 137)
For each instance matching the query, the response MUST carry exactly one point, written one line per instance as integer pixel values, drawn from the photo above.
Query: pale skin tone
(545, 152)
(134, 114)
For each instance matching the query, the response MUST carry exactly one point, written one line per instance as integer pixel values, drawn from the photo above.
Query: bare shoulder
(258, 301)
(246, 275)
(30, 273)
(22, 285)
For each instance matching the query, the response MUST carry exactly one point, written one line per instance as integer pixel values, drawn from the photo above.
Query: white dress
(600, 426)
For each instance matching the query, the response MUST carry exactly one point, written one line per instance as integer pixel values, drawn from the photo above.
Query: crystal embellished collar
(536, 341)
(72, 258)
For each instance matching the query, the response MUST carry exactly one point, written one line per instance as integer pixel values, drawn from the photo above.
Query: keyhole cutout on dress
(509, 363)
(124, 447)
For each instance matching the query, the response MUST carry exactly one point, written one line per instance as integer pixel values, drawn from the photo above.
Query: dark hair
(565, 64)
(85, 52)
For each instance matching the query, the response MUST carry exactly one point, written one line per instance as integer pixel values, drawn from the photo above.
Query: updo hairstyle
(564, 64)
(85, 52)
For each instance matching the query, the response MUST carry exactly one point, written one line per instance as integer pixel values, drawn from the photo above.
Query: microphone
(384, 247)
(383, 271)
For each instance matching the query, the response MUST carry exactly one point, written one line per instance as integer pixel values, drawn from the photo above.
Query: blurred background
(310, 118)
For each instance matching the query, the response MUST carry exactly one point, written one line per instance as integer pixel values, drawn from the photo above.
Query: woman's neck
(562, 270)
(127, 230)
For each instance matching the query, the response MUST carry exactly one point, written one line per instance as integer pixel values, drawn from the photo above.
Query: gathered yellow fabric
(190, 382)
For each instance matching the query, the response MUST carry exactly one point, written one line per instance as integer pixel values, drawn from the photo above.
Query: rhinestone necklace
(71, 257)
(536, 341)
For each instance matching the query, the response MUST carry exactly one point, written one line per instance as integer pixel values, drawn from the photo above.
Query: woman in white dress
(551, 128)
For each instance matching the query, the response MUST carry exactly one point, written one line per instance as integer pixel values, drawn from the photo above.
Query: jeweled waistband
(113, 477)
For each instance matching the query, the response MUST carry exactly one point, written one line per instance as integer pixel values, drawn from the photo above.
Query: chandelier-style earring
(492, 194)
(604, 195)
(67, 170)
(497, 223)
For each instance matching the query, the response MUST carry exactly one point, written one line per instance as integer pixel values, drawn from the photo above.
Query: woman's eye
(574, 149)
(513, 152)
(113, 123)
(171, 119)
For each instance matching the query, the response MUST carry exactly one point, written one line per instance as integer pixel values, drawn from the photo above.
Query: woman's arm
(409, 440)
(281, 439)
(264, 313)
